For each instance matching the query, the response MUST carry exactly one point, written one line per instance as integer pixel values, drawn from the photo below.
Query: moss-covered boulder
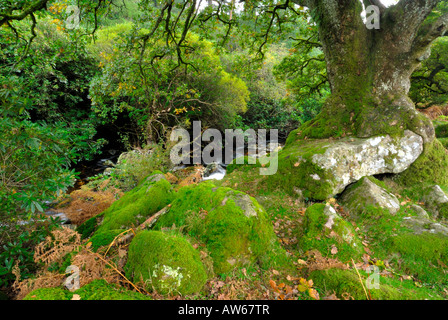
(325, 230)
(233, 226)
(430, 168)
(165, 262)
(421, 225)
(320, 169)
(96, 290)
(369, 193)
(150, 196)
(436, 201)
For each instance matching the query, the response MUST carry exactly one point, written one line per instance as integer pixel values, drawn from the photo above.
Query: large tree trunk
(369, 70)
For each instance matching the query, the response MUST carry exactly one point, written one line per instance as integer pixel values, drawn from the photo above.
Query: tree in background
(429, 84)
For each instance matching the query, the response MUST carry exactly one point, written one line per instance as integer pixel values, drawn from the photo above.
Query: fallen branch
(147, 224)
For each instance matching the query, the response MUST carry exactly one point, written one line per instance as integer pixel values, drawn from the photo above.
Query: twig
(360, 280)
(118, 271)
(113, 241)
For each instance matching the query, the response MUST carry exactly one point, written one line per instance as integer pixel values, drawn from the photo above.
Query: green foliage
(17, 242)
(304, 68)
(429, 84)
(52, 85)
(168, 92)
(134, 166)
(35, 161)
(265, 113)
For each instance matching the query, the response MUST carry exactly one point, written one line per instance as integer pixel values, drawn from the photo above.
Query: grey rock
(421, 213)
(420, 225)
(433, 197)
(335, 164)
(349, 161)
(367, 193)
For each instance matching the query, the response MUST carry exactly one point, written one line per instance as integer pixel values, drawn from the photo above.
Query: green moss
(167, 263)
(234, 227)
(104, 238)
(132, 209)
(444, 142)
(87, 228)
(324, 229)
(102, 290)
(247, 164)
(379, 183)
(96, 290)
(430, 167)
(424, 256)
(49, 294)
(296, 170)
(441, 130)
(420, 255)
(347, 281)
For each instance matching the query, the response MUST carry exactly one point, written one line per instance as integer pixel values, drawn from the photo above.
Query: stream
(88, 169)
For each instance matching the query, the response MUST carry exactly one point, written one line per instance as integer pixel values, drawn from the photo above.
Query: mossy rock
(369, 193)
(444, 142)
(135, 206)
(436, 201)
(98, 289)
(243, 163)
(341, 282)
(234, 226)
(167, 263)
(320, 169)
(430, 168)
(324, 229)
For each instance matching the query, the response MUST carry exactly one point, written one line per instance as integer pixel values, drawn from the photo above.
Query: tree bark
(369, 71)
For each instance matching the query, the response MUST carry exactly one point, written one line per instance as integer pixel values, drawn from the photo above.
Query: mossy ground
(385, 239)
(95, 290)
(206, 217)
(339, 235)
